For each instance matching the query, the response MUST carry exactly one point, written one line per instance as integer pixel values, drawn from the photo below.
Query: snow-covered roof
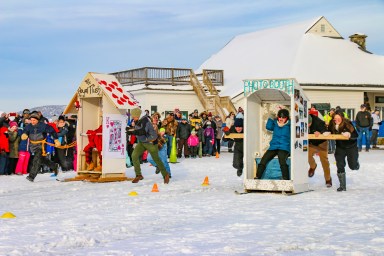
(288, 51)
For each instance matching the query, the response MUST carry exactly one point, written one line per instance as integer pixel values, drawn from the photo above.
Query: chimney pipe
(359, 39)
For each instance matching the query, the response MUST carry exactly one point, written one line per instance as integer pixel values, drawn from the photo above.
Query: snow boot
(239, 172)
(90, 167)
(157, 170)
(137, 178)
(311, 171)
(166, 179)
(56, 169)
(328, 183)
(29, 178)
(342, 180)
(99, 168)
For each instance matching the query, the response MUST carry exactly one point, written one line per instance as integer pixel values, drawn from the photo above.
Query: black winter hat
(239, 122)
(283, 113)
(35, 115)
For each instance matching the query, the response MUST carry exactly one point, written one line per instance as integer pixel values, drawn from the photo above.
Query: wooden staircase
(208, 94)
(204, 84)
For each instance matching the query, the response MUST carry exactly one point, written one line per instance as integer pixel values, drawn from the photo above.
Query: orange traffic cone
(155, 188)
(217, 155)
(205, 182)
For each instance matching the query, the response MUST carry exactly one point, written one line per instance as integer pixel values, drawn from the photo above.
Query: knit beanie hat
(136, 112)
(239, 122)
(11, 124)
(193, 131)
(314, 112)
(34, 115)
(161, 130)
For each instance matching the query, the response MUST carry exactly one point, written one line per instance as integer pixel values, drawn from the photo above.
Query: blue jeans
(208, 147)
(169, 145)
(364, 130)
(163, 158)
(331, 145)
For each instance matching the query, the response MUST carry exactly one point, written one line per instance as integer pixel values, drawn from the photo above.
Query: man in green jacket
(146, 140)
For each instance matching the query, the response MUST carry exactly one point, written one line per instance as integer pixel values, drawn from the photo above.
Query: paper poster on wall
(297, 132)
(114, 136)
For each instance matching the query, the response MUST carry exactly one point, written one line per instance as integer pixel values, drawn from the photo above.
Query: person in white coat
(375, 127)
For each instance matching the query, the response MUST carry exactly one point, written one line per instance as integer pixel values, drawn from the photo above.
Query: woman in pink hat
(14, 140)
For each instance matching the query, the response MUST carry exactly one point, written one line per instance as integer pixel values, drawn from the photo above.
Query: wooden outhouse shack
(101, 105)
(263, 97)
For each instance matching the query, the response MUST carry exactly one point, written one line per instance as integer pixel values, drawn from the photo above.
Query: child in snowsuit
(193, 144)
(209, 138)
(200, 134)
(14, 140)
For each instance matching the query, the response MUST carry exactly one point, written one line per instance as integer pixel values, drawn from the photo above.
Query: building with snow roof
(332, 71)
(329, 68)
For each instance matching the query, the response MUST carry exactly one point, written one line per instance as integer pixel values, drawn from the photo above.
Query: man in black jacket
(317, 127)
(146, 140)
(238, 151)
(182, 134)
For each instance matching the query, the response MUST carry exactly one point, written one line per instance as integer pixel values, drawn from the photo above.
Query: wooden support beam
(329, 137)
(235, 136)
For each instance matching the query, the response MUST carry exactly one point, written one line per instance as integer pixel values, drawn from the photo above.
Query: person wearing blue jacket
(37, 131)
(280, 144)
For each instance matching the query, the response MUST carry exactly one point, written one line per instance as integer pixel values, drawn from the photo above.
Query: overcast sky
(47, 47)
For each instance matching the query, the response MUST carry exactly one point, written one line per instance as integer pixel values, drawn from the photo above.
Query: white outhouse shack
(264, 96)
(101, 106)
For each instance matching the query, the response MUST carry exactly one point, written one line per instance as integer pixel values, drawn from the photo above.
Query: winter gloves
(346, 134)
(57, 143)
(272, 116)
(24, 136)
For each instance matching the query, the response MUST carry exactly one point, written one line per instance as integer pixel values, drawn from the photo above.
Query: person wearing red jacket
(4, 150)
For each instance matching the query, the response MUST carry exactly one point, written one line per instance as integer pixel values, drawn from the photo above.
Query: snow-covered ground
(185, 218)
